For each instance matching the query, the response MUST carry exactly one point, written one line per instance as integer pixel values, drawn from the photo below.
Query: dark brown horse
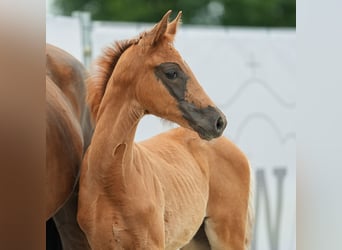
(157, 194)
(68, 132)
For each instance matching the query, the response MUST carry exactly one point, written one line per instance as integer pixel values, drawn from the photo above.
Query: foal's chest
(185, 206)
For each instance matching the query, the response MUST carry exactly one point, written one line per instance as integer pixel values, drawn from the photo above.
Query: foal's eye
(171, 75)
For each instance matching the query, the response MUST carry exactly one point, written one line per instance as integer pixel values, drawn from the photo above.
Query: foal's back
(199, 179)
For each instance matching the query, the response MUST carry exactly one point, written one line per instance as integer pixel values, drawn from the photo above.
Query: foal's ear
(160, 28)
(172, 27)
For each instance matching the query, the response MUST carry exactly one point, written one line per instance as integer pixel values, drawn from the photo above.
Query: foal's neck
(118, 118)
(117, 121)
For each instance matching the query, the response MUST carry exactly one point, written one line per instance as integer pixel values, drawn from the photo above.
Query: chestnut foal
(156, 194)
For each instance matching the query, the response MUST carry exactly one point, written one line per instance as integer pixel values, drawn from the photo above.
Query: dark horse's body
(68, 132)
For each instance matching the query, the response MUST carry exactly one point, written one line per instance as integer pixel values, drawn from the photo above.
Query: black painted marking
(203, 120)
(173, 78)
(208, 122)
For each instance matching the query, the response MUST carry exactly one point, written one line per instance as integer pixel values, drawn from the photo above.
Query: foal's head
(152, 70)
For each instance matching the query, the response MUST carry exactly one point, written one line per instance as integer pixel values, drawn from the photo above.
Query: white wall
(250, 74)
(66, 33)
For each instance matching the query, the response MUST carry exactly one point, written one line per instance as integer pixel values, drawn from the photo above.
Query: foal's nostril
(220, 124)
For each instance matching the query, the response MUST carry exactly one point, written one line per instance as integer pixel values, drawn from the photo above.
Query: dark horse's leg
(63, 231)
(72, 236)
(53, 241)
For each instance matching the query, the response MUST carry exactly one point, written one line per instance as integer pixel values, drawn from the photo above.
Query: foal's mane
(102, 71)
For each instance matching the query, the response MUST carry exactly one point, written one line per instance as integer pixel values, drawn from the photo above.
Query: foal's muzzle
(208, 122)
